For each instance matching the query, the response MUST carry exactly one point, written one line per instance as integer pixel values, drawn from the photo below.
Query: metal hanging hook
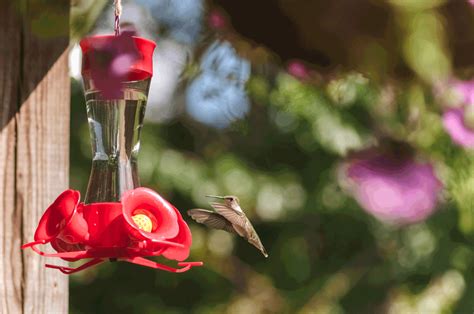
(117, 12)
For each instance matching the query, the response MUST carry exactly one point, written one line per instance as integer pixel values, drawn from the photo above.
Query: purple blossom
(394, 189)
(111, 62)
(454, 118)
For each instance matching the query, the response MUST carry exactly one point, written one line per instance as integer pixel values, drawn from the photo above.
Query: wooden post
(34, 147)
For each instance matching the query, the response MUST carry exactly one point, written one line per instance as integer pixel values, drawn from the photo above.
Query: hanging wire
(118, 12)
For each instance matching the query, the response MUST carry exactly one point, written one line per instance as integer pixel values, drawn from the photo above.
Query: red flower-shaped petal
(153, 218)
(57, 216)
(184, 237)
(149, 216)
(76, 229)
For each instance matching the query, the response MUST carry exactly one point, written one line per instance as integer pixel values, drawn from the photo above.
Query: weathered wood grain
(34, 147)
(11, 268)
(42, 174)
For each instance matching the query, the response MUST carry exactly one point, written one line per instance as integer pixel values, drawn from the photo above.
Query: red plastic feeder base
(142, 225)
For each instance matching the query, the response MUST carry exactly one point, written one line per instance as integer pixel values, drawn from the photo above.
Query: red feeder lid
(140, 70)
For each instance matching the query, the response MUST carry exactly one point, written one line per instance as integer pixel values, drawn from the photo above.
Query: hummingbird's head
(231, 200)
(228, 199)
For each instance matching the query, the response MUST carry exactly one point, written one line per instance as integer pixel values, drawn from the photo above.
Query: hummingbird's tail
(255, 241)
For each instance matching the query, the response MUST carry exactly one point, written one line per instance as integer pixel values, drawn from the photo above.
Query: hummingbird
(228, 216)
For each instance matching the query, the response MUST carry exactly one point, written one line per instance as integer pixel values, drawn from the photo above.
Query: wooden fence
(34, 146)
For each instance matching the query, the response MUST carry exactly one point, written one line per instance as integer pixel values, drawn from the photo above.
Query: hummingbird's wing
(211, 219)
(235, 217)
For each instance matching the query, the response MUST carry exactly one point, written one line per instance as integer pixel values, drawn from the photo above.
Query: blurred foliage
(84, 13)
(283, 161)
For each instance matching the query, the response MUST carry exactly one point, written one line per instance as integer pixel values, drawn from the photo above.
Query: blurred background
(344, 127)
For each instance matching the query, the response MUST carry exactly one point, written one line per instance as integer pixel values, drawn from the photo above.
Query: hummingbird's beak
(215, 196)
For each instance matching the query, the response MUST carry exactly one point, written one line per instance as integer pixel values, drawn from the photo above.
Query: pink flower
(466, 90)
(454, 119)
(394, 189)
(298, 69)
(217, 20)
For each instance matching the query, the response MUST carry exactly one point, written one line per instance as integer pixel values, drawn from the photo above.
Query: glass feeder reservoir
(115, 121)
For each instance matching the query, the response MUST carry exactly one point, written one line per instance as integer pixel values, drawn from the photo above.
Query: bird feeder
(118, 220)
